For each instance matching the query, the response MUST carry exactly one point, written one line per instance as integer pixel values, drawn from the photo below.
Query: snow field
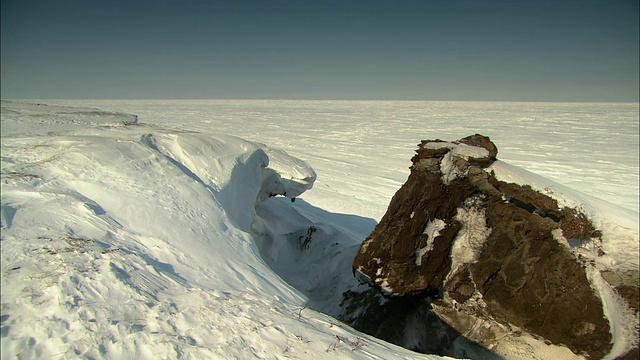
(159, 240)
(361, 149)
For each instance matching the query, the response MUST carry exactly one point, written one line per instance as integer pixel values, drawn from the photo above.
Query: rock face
(490, 258)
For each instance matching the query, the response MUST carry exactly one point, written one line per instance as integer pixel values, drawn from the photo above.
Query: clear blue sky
(539, 50)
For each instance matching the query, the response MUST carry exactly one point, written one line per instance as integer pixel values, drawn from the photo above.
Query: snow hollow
(162, 229)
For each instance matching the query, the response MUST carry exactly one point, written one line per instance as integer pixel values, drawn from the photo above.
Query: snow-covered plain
(590, 147)
(158, 239)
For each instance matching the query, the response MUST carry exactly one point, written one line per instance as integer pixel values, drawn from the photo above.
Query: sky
(494, 50)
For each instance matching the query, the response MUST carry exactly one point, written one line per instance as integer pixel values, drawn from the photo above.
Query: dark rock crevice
(408, 321)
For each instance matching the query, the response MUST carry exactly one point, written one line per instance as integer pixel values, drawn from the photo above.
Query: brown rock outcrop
(485, 251)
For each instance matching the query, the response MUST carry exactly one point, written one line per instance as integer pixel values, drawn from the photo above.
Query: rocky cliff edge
(491, 259)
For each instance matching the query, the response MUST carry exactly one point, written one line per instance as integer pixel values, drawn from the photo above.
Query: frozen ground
(146, 240)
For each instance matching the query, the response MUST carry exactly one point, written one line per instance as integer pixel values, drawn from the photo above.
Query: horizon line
(320, 100)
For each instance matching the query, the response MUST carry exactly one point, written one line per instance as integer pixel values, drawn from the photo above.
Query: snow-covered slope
(121, 240)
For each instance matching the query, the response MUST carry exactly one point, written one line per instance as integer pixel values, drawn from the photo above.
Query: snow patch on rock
(463, 150)
(623, 322)
(449, 169)
(432, 230)
(471, 237)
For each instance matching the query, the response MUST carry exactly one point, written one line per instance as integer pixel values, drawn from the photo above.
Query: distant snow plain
(144, 241)
(590, 147)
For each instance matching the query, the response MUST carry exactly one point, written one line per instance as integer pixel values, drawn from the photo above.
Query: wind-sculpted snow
(238, 172)
(135, 242)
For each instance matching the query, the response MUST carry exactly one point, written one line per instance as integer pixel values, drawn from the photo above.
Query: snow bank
(141, 197)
